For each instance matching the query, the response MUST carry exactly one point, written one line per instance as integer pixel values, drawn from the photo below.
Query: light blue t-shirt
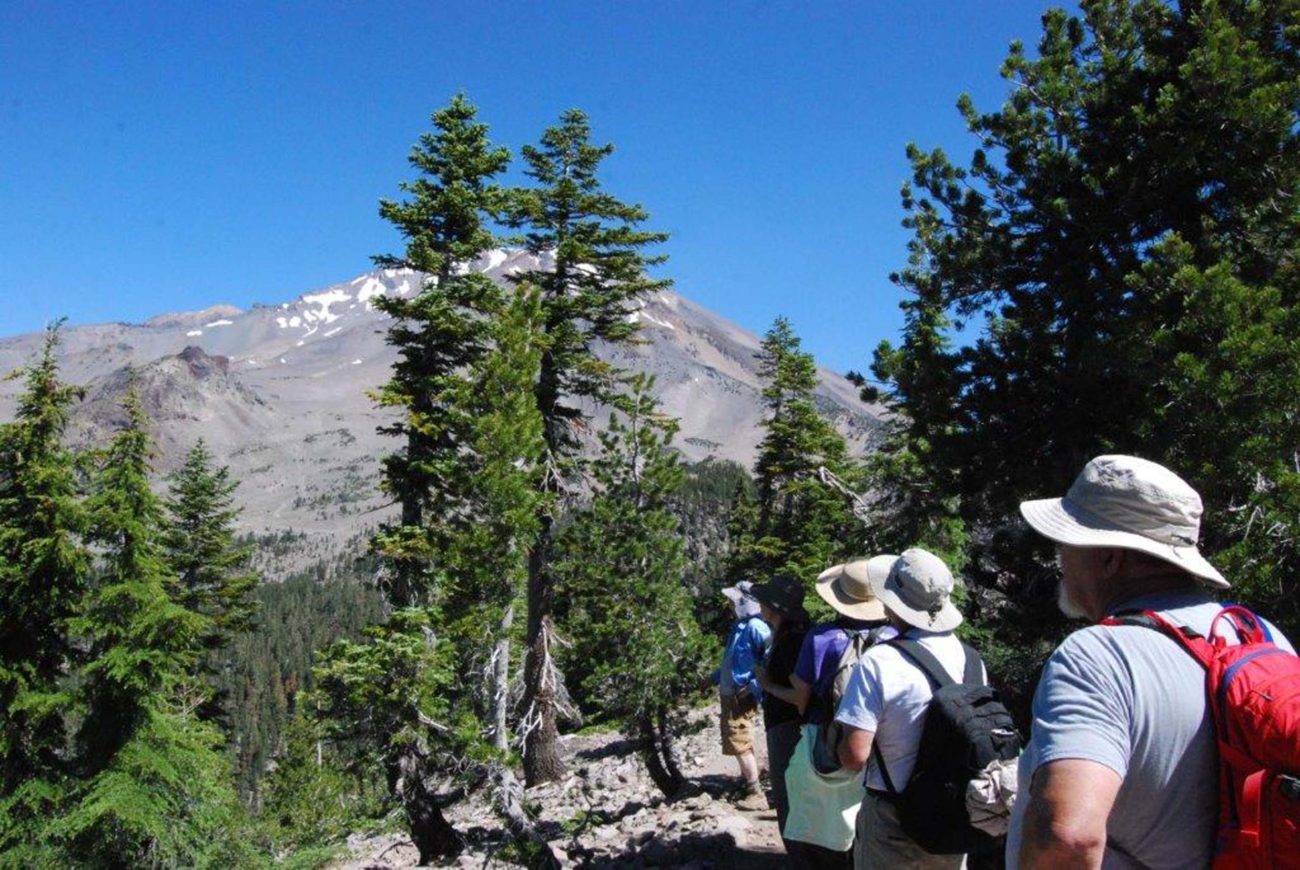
(1132, 699)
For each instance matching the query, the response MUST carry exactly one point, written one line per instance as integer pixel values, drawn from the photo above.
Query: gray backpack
(826, 758)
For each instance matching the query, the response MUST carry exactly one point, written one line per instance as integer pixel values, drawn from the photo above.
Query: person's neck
(1125, 590)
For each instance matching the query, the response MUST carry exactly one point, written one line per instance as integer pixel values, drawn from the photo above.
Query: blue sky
(162, 156)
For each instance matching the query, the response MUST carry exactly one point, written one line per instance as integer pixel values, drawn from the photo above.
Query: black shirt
(780, 664)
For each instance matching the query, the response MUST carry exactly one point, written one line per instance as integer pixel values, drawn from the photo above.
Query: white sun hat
(1132, 503)
(918, 589)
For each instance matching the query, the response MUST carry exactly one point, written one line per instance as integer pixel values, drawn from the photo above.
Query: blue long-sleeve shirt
(746, 646)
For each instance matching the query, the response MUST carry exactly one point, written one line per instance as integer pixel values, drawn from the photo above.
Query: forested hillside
(1114, 268)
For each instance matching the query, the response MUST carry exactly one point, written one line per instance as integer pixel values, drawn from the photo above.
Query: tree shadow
(695, 850)
(620, 747)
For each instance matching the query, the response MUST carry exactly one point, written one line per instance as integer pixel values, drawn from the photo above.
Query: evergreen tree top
(444, 221)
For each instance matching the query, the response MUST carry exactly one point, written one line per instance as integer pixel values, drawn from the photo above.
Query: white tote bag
(823, 807)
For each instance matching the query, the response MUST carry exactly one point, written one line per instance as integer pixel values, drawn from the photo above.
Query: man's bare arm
(855, 748)
(1065, 822)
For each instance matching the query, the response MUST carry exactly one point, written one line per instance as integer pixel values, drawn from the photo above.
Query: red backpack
(1253, 692)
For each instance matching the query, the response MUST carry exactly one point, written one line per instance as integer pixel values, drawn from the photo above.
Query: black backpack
(966, 728)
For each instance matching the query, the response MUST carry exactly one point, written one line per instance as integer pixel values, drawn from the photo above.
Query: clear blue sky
(161, 156)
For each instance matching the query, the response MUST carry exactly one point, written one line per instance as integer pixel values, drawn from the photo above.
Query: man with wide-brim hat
(1122, 753)
(886, 700)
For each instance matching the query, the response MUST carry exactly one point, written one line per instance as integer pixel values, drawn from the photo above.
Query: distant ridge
(279, 391)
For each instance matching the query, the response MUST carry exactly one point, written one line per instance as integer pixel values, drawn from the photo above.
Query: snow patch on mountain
(318, 305)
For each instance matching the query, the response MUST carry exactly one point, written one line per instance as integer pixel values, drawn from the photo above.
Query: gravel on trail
(607, 813)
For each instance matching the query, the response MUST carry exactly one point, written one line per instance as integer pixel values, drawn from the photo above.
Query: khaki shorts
(737, 728)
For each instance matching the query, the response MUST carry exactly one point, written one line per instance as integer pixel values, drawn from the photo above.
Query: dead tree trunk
(501, 683)
(542, 761)
(508, 796)
(432, 834)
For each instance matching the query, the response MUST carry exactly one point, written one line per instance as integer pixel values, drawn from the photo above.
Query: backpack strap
(972, 673)
(1249, 627)
(1195, 645)
(880, 763)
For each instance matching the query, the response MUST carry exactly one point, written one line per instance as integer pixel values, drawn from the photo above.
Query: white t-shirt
(889, 694)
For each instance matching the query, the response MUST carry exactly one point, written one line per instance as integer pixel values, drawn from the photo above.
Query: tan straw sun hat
(1131, 503)
(850, 590)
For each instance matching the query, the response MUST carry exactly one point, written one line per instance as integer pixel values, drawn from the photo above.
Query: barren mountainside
(280, 391)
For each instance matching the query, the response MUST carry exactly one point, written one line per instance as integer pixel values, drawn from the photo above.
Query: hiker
(1122, 766)
(738, 690)
(781, 604)
(885, 704)
(824, 798)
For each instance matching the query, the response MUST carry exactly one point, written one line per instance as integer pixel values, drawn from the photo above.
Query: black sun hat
(782, 593)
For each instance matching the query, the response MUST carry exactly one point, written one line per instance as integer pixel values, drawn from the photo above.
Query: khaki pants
(881, 842)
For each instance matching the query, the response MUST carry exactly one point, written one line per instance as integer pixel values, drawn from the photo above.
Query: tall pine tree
(211, 570)
(596, 278)
(431, 685)
(800, 526)
(1125, 233)
(43, 571)
(446, 226)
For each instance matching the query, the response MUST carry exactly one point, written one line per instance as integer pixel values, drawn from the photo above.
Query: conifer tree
(434, 695)
(636, 647)
(153, 786)
(1044, 234)
(1124, 232)
(438, 332)
(801, 527)
(210, 570)
(596, 278)
(43, 571)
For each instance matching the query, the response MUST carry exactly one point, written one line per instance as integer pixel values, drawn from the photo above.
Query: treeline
(113, 602)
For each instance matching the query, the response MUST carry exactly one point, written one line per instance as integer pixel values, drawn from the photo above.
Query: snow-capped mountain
(279, 392)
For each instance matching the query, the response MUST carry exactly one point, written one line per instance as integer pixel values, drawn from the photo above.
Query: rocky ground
(607, 813)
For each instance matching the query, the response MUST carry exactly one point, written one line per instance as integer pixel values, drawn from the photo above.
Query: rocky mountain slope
(280, 391)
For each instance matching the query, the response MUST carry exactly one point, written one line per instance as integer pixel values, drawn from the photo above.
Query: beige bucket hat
(918, 589)
(849, 588)
(1132, 503)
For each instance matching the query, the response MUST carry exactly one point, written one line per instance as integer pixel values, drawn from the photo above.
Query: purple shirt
(820, 654)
